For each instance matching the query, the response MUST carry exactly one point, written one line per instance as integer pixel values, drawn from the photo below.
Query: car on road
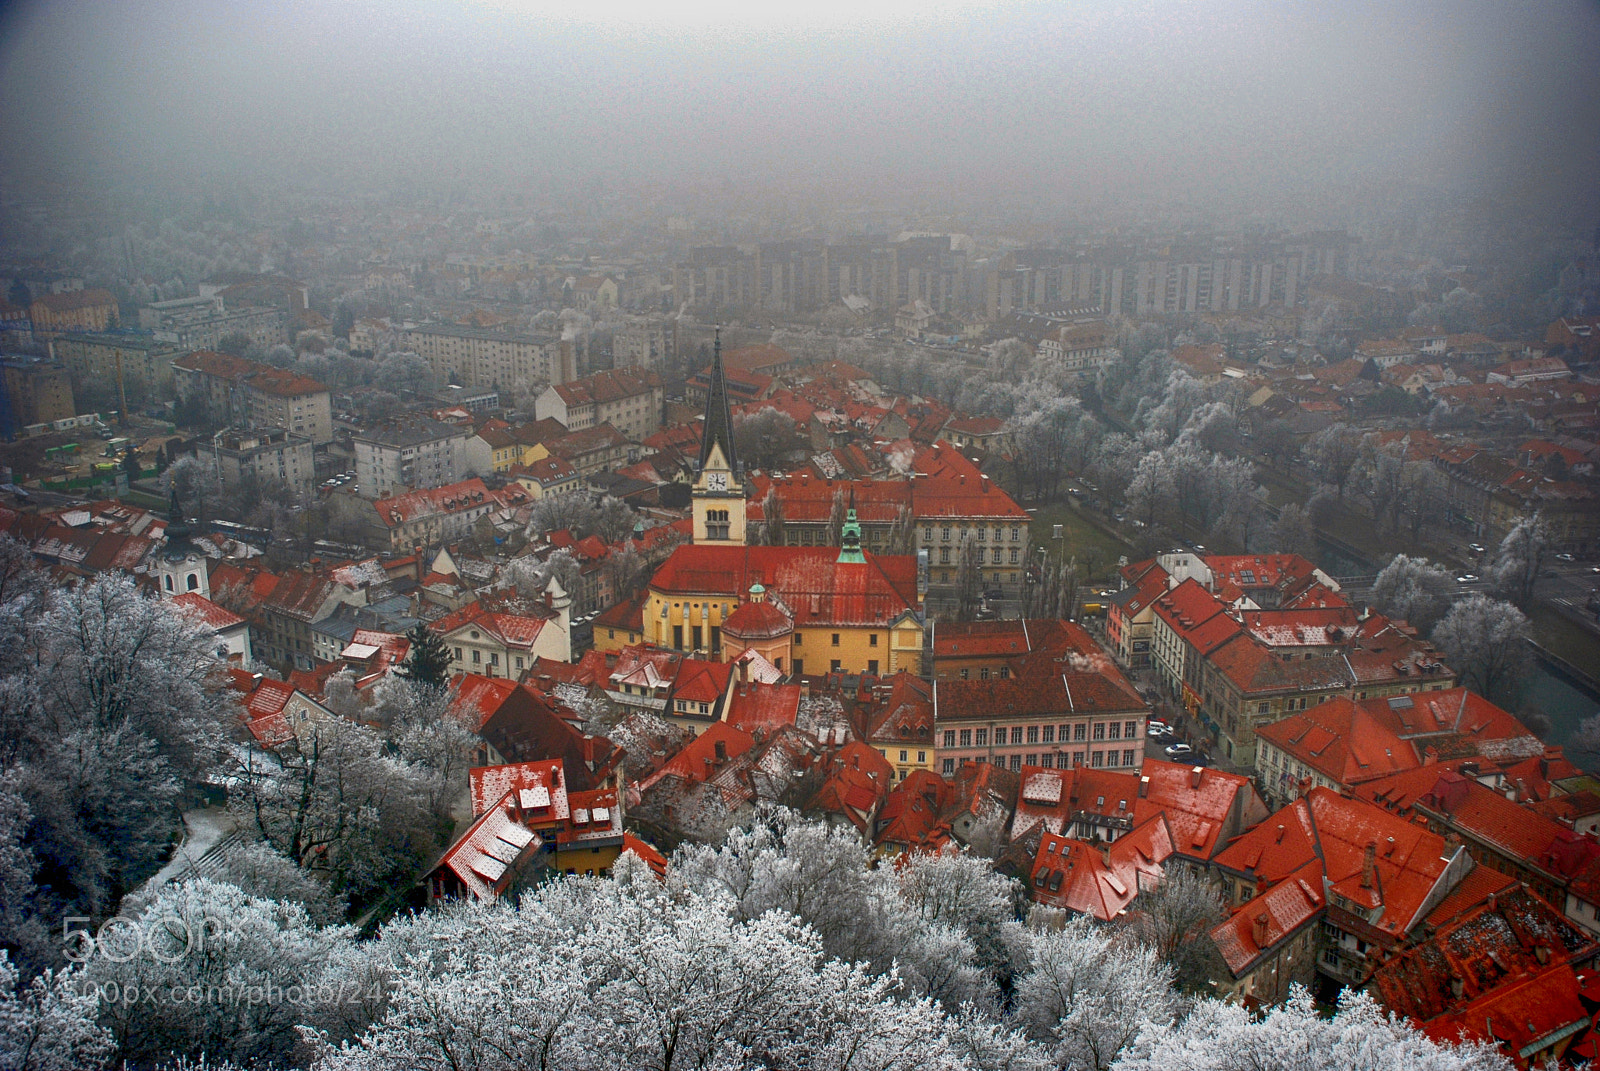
(1174, 750)
(1467, 578)
(1565, 558)
(1476, 548)
(995, 594)
(1158, 731)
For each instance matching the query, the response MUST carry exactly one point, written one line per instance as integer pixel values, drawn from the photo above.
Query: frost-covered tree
(1414, 590)
(401, 372)
(1518, 559)
(219, 949)
(590, 973)
(194, 482)
(1485, 642)
(1294, 1037)
(1087, 997)
(1293, 532)
(1174, 918)
(1332, 453)
(50, 1023)
(764, 439)
(338, 800)
(111, 705)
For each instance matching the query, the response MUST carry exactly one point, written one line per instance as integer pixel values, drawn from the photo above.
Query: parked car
(1174, 750)
(1565, 558)
(1158, 731)
(1467, 578)
(1476, 548)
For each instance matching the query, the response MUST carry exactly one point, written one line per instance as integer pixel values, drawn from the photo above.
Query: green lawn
(1081, 536)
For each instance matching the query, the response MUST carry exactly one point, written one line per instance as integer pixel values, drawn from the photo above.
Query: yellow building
(848, 611)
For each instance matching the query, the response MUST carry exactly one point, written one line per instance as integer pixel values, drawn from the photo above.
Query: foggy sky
(1230, 101)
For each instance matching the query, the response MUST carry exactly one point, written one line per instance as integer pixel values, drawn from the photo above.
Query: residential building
(598, 449)
(1559, 864)
(253, 395)
(1500, 967)
(1343, 743)
(265, 455)
(1083, 878)
(100, 358)
(201, 323)
(411, 453)
(422, 518)
(1368, 877)
(474, 357)
(502, 635)
(898, 719)
(547, 476)
(629, 399)
(54, 315)
(281, 608)
(35, 392)
(233, 631)
(1069, 707)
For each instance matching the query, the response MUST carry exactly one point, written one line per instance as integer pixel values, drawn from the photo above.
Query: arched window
(194, 582)
(169, 582)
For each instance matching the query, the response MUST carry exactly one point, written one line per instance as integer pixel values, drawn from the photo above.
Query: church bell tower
(718, 496)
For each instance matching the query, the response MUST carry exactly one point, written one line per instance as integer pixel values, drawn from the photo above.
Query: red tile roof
(1100, 881)
(810, 582)
(541, 787)
(756, 707)
(207, 611)
(858, 780)
(910, 818)
(1259, 924)
(1202, 806)
(698, 761)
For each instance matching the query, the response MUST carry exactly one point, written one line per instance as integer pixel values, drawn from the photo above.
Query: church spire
(850, 536)
(719, 418)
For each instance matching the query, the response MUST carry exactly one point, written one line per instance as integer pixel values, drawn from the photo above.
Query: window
(1262, 708)
(1016, 735)
(1111, 758)
(904, 757)
(949, 738)
(519, 661)
(833, 666)
(872, 640)
(477, 656)
(1098, 759)
(964, 674)
(1077, 758)
(1016, 532)
(1099, 730)
(1016, 763)
(944, 533)
(494, 658)
(1031, 760)
(944, 555)
(698, 633)
(1033, 734)
(194, 582)
(1077, 734)
(799, 665)
(949, 766)
(705, 709)
(982, 739)
(872, 666)
(983, 674)
(1127, 756)
(677, 637)
(798, 639)
(169, 583)
(1114, 731)
(835, 639)
(458, 654)
(1014, 553)
(922, 756)
(1131, 730)
(927, 533)
(966, 737)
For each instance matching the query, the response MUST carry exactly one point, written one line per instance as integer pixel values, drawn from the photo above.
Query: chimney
(1258, 930)
(722, 751)
(555, 777)
(1430, 755)
(1279, 838)
(1196, 775)
(1144, 787)
(1458, 986)
(1369, 864)
(1541, 953)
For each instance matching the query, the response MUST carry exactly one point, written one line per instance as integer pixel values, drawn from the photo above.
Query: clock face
(716, 481)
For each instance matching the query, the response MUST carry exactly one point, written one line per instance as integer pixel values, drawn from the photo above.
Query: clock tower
(718, 486)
